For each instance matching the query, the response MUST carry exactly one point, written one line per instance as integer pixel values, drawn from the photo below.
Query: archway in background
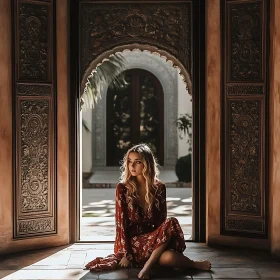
(97, 219)
(166, 74)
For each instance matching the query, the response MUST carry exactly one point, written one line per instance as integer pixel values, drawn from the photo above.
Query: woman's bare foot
(202, 265)
(144, 274)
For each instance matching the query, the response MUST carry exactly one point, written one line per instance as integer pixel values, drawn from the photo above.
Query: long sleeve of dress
(122, 246)
(161, 205)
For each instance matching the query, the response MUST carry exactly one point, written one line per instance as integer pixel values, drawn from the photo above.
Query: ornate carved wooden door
(135, 115)
(245, 118)
(34, 107)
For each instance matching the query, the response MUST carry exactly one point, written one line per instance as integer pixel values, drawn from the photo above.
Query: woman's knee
(166, 258)
(172, 220)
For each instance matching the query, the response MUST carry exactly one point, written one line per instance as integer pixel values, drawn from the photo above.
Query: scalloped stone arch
(167, 76)
(184, 73)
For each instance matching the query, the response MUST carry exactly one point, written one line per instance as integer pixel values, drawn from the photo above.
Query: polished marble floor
(68, 262)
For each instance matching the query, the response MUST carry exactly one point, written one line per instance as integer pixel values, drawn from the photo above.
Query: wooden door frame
(199, 129)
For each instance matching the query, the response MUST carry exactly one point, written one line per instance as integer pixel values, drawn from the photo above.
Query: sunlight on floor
(98, 212)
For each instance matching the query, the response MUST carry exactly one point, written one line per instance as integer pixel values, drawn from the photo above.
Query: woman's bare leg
(155, 256)
(174, 259)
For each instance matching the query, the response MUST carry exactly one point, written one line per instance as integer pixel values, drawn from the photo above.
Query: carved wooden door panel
(135, 115)
(245, 118)
(34, 118)
(156, 25)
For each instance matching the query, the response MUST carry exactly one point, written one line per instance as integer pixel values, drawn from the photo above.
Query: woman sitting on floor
(144, 234)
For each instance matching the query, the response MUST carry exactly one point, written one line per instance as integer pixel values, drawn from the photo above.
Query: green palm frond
(184, 125)
(109, 73)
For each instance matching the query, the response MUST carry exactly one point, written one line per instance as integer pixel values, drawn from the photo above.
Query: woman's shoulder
(120, 186)
(121, 190)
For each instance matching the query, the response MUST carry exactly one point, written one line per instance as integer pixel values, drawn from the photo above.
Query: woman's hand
(124, 262)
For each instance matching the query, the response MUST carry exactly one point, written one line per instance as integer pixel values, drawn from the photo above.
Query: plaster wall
(6, 203)
(213, 134)
(7, 244)
(274, 165)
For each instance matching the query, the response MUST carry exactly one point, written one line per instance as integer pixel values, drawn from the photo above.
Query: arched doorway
(182, 51)
(135, 114)
(97, 215)
(173, 106)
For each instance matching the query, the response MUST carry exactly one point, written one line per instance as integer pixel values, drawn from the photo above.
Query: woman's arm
(122, 245)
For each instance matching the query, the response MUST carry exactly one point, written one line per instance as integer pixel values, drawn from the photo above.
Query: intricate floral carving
(34, 47)
(34, 155)
(244, 89)
(35, 226)
(34, 127)
(245, 156)
(34, 90)
(245, 44)
(166, 26)
(256, 226)
(245, 62)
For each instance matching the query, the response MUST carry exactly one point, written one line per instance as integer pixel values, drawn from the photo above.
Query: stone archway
(184, 72)
(167, 75)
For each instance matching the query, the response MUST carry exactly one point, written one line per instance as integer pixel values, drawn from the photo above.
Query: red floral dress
(138, 233)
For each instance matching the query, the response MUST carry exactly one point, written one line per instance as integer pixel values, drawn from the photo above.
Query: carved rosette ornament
(245, 118)
(34, 119)
(164, 26)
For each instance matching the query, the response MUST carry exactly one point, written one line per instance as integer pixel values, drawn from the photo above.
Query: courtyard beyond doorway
(98, 205)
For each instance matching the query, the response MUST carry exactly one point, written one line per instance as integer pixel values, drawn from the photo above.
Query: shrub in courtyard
(183, 168)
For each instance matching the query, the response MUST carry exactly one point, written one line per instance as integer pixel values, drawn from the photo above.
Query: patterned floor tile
(234, 273)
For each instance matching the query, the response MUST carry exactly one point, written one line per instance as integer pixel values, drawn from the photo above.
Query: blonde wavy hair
(150, 173)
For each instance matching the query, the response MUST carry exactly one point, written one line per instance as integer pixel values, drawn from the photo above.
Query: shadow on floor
(68, 263)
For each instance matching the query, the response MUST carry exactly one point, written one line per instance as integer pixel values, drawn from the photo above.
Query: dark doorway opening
(135, 114)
